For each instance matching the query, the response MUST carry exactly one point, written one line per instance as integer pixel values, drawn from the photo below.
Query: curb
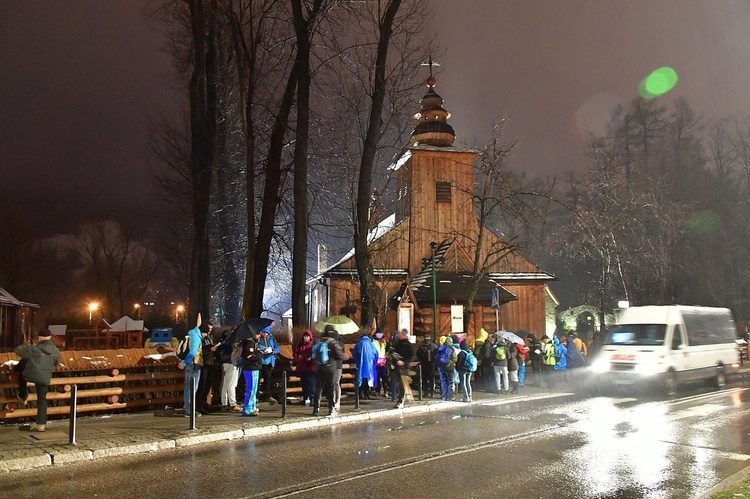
(59, 458)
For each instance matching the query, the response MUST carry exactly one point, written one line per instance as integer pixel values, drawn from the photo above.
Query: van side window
(676, 337)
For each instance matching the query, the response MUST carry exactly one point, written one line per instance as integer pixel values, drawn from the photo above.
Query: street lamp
(137, 308)
(92, 307)
(177, 312)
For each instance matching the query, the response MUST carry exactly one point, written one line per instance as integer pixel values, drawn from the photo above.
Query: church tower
(435, 181)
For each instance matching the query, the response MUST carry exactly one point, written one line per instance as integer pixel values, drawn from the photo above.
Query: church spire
(432, 127)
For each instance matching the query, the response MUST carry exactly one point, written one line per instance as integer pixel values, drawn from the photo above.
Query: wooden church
(423, 255)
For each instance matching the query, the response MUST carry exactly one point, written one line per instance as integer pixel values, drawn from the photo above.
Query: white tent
(125, 323)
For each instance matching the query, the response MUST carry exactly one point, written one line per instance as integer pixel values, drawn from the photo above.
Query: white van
(669, 345)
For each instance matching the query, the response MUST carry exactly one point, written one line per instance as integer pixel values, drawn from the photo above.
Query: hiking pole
(283, 393)
(73, 414)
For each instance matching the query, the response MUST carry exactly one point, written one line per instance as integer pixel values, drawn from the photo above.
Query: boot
(514, 385)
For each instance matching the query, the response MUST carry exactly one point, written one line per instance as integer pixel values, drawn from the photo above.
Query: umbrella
(248, 328)
(341, 323)
(512, 337)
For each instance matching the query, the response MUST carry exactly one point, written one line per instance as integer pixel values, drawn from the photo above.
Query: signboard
(406, 318)
(457, 318)
(494, 299)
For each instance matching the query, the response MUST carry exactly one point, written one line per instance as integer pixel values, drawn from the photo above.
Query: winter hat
(203, 328)
(44, 333)
(448, 341)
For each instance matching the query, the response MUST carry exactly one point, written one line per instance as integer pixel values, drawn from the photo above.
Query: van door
(679, 353)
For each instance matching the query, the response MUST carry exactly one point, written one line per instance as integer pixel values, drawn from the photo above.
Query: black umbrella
(248, 328)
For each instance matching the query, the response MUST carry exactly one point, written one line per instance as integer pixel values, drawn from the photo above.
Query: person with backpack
(206, 387)
(445, 362)
(327, 353)
(425, 355)
(549, 360)
(466, 364)
(366, 358)
(536, 358)
(252, 362)
(500, 365)
(192, 364)
(305, 367)
(269, 349)
(480, 377)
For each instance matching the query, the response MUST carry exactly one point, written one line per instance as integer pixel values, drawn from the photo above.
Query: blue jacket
(196, 342)
(573, 358)
(366, 358)
(560, 353)
(268, 341)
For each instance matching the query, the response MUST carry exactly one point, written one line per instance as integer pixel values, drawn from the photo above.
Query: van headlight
(647, 369)
(600, 366)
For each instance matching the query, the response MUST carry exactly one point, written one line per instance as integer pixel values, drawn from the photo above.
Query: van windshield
(637, 334)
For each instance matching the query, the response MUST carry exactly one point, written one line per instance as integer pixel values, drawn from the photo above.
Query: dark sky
(80, 79)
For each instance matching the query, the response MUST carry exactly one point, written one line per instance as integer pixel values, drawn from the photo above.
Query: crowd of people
(495, 363)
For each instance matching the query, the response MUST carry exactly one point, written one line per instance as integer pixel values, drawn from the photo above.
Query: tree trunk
(363, 222)
(203, 131)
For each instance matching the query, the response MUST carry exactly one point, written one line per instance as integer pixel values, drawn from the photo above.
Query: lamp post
(177, 312)
(92, 307)
(137, 308)
(433, 247)
(433, 262)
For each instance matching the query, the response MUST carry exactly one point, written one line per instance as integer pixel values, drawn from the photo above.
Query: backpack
(443, 355)
(424, 353)
(183, 348)
(320, 353)
(485, 353)
(470, 361)
(548, 350)
(500, 352)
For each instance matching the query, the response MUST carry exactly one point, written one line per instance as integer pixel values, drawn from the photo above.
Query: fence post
(192, 403)
(356, 388)
(419, 386)
(283, 393)
(73, 414)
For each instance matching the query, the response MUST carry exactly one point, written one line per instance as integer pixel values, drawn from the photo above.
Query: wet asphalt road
(563, 447)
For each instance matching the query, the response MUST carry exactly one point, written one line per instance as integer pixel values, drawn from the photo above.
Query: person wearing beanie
(38, 361)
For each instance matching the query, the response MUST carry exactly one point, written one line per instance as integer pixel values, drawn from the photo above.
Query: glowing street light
(137, 308)
(93, 306)
(177, 312)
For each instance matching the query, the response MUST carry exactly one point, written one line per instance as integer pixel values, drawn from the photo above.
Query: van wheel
(720, 380)
(670, 384)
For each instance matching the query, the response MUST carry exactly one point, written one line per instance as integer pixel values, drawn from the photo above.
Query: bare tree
(117, 266)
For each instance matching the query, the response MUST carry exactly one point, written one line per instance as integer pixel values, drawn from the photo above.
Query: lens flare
(659, 82)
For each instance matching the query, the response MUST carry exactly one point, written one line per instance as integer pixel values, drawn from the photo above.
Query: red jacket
(523, 350)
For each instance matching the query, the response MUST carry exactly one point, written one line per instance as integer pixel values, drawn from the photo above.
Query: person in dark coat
(305, 366)
(39, 361)
(536, 357)
(252, 360)
(426, 358)
(401, 355)
(328, 374)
